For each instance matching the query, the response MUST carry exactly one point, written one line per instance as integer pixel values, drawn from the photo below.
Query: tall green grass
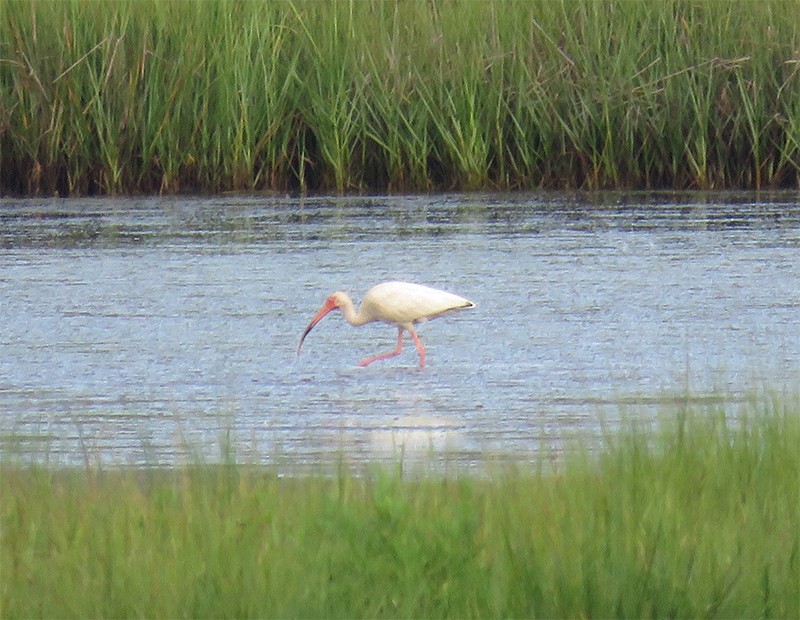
(350, 95)
(697, 517)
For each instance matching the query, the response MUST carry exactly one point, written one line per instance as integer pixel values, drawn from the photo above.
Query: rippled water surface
(160, 330)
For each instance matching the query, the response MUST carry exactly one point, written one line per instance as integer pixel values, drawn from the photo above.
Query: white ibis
(398, 303)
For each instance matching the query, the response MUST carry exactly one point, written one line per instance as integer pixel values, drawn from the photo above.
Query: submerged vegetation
(697, 517)
(169, 96)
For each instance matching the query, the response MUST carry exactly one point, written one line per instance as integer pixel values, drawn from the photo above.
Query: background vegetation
(168, 96)
(696, 517)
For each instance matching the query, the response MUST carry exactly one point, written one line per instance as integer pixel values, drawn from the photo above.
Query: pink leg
(420, 348)
(383, 356)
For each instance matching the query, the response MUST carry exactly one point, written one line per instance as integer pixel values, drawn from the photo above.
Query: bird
(402, 304)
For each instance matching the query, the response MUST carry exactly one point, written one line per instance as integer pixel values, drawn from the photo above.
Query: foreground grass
(168, 95)
(696, 518)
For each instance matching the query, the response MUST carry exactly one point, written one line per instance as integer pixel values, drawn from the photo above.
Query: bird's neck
(349, 311)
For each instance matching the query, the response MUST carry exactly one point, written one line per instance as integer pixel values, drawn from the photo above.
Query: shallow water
(155, 331)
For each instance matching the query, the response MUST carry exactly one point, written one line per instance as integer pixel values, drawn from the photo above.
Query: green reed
(694, 516)
(146, 95)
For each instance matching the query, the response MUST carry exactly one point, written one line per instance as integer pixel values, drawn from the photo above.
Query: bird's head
(333, 302)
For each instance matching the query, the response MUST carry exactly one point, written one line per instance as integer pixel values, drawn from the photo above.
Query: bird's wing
(404, 303)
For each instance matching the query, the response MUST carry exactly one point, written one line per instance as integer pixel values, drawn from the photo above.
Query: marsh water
(164, 330)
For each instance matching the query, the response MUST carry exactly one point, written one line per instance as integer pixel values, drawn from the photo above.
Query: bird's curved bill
(326, 308)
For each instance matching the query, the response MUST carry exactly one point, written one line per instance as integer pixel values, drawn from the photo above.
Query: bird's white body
(404, 303)
(397, 303)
